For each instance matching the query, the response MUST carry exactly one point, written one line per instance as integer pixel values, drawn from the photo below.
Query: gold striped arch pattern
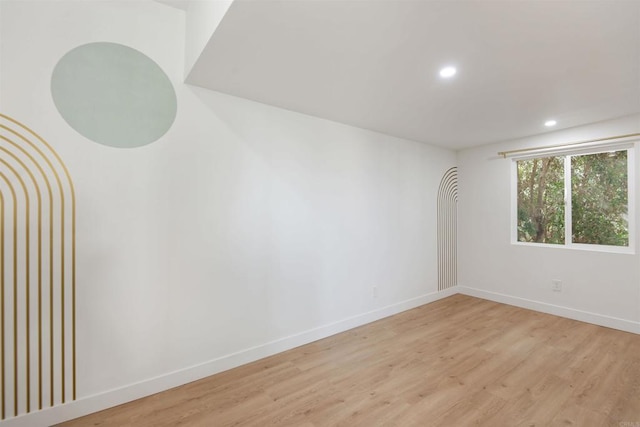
(448, 230)
(37, 274)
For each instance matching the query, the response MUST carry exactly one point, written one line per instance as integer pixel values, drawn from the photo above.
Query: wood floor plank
(457, 361)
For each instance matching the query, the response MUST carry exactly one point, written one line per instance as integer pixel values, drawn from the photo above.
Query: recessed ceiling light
(550, 123)
(448, 72)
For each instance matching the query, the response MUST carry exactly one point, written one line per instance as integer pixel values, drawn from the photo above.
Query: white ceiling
(374, 64)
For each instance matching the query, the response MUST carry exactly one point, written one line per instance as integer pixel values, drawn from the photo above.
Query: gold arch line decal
(448, 230)
(37, 273)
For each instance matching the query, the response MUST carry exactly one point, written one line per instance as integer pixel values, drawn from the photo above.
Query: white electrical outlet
(374, 292)
(556, 285)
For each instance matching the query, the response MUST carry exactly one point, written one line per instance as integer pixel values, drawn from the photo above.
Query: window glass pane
(600, 199)
(541, 200)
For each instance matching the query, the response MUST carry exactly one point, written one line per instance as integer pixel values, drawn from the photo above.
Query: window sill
(624, 250)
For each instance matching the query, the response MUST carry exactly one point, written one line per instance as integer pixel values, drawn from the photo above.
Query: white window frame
(568, 244)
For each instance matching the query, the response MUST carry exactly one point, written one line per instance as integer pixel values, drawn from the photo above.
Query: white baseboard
(108, 399)
(570, 313)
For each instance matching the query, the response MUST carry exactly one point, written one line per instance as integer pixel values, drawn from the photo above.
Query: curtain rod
(504, 154)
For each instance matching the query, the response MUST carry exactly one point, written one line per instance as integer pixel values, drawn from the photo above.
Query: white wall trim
(570, 313)
(108, 399)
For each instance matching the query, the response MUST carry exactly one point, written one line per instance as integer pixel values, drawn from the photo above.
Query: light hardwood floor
(455, 362)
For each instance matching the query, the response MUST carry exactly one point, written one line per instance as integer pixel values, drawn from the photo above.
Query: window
(575, 200)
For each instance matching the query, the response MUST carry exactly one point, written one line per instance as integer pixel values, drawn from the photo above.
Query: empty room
(319, 213)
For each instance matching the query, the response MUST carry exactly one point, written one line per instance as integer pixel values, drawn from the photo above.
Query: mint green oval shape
(113, 95)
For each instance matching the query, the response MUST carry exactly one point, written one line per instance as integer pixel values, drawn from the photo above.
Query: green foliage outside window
(541, 200)
(599, 199)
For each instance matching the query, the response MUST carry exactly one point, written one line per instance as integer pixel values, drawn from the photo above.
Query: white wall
(598, 287)
(202, 20)
(245, 230)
